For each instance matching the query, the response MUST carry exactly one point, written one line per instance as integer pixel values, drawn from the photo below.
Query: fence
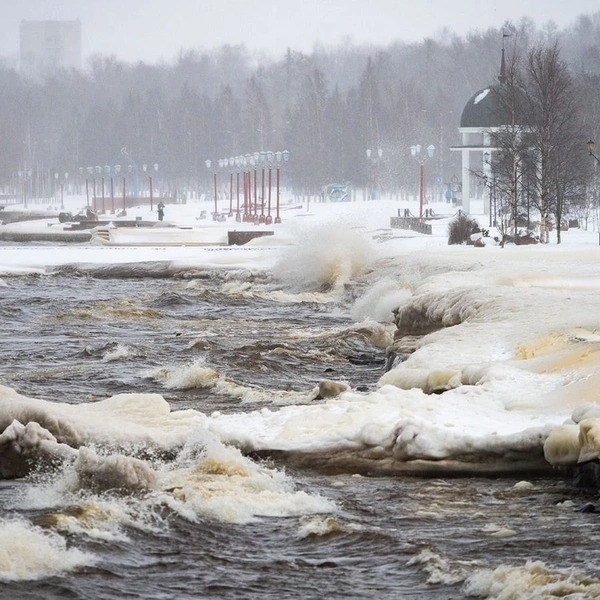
(411, 223)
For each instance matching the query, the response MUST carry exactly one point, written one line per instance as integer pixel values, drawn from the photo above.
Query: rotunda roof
(484, 109)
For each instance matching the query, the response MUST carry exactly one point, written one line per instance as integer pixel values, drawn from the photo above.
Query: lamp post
(243, 165)
(269, 158)
(227, 163)
(117, 170)
(99, 172)
(60, 185)
(237, 161)
(279, 158)
(263, 162)
(254, 163)
(79, 181)
(231, 163)
(374, 157)
(25, 177)
(415, 152)
(62, 190)
(216, 213)
(22, 179)
(591, 147)
(145, 167)
(248, 188)
(90, 172)
(56, 185)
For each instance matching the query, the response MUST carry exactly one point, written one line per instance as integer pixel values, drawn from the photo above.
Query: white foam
(532, 580)
(29, 553)
(120, 352)
(327, 258)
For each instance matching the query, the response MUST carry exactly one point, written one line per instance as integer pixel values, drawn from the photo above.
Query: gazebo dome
(484, 109)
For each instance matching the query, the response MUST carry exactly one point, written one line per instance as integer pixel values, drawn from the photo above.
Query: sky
(157, 30)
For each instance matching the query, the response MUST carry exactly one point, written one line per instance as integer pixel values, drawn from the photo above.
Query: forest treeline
(327, 108)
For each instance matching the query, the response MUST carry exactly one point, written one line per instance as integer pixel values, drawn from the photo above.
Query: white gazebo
(482, 116)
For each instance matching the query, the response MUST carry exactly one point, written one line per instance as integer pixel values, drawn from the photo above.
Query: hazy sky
(152, 30)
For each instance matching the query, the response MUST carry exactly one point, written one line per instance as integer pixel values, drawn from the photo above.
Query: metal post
(103, 209)
(421, 190)
(269, 218)
(124, 203)
(87, 192)
(112, 196)
(62, 190)
(245, 215)
(262, 199)
(216, 207)
(151, 194)
(255, 213)
(231, 194)
(237, 193)
(277, 217)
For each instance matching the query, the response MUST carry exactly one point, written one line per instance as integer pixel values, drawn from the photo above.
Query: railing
(411, 223)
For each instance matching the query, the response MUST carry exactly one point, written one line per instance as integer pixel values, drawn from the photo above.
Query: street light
(61, 185)
(90, 173)
(254, 162)
(279, 158)
(237, 162)
(373, 174)
(248, 189)
(227, 163)
(415, 152)
(56, 185)
(216, 213)
(151, 189)
(263, 162)
(269, 156)
(591, 147)
(98, 172)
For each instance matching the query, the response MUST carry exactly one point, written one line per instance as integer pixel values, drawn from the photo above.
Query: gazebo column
(466, 180)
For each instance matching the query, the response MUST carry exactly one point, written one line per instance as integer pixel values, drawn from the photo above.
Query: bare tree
(552, 111)
(510, 143)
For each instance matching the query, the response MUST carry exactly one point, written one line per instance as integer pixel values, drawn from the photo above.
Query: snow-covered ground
(515, 346)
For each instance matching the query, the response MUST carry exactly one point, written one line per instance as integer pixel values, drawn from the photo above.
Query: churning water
(217, 523)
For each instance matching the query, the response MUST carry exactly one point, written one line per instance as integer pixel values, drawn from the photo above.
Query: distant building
(49, 45)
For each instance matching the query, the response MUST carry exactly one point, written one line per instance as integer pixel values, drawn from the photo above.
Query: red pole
(269, 219)
(421, 190)
(237, 216)
(112, 196)
(87, 192)
(255, 214)
(262, 199)
(150, 194)
(246, 195)
(231, 194)
(277, 217)
(215, 178)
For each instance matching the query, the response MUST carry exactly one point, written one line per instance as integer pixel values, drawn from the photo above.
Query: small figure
(161, 211)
